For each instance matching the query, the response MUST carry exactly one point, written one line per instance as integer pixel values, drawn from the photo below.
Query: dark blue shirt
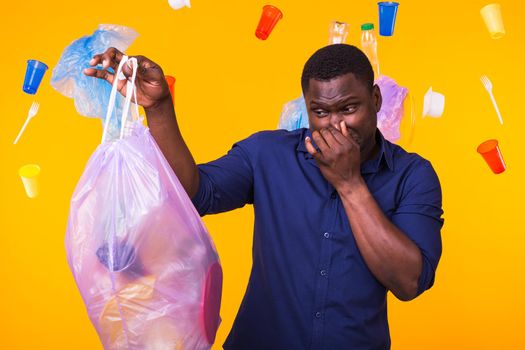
(309, 286)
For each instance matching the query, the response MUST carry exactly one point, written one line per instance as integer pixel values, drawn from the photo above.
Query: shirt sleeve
(227, 183)
(418, 215)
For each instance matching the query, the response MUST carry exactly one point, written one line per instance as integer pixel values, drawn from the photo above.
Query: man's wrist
(353, 189)
(161, 110)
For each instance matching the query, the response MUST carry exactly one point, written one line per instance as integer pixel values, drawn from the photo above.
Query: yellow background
(229, 85)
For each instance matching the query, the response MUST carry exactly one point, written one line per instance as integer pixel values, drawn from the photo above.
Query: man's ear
(378, 99)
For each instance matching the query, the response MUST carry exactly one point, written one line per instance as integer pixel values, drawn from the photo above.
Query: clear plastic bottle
(369, 46)
(338, 32)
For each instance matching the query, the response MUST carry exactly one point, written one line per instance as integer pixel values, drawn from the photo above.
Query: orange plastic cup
(171, 83)
(269, 18)
(492, 155)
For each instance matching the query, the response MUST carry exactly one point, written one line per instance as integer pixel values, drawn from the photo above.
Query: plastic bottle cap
(367, 26)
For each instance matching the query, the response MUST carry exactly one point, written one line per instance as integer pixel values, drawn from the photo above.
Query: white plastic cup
(29, 174)
(491, 14)
(434, 104)
(178, 4)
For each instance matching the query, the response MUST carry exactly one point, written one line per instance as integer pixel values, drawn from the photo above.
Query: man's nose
(335, 120)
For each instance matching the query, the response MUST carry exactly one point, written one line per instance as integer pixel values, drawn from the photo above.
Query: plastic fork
(488, 86)
(32, 112)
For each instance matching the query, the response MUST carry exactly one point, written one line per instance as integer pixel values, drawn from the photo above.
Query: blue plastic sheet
(91, 95)
(294, 115)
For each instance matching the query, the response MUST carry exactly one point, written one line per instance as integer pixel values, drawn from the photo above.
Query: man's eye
(349, 109)
(320, 113)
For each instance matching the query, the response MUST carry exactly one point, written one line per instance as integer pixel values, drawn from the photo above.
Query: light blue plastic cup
(387, 17)
(34, 73)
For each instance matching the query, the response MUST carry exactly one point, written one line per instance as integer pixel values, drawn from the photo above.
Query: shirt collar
(370, 166)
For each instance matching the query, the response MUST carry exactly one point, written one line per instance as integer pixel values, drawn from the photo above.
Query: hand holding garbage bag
(151, 86)
(144, 263)
(153, 94)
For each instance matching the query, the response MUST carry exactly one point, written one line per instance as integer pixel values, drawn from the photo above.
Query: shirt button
(334, 195)
(326, 235)
(323, 273)
(318, 315)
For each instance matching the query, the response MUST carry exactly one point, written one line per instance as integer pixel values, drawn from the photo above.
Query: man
(341, 215)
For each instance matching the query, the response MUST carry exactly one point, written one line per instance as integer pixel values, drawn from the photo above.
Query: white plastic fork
(32, 112)
(488, 86)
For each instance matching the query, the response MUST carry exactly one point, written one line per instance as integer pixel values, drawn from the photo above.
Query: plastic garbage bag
(91, 96)
(143, 261)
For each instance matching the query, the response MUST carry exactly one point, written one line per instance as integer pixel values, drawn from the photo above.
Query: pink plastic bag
(144, 263)
(391, 113)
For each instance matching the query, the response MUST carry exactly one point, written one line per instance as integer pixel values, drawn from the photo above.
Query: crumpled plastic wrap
(91, 96)
(392, 110)
(294, 115)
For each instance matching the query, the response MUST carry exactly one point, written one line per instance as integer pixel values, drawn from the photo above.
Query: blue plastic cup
(387, 17)
(34, 74)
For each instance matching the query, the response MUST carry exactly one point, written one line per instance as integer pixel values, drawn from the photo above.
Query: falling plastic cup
(29, 175)
(34, 73)
(387, 17)
(434, 104)
(338, 32)
(269, 18)
(491, 14)
(492, 155)
(171, 83)
(178, 4)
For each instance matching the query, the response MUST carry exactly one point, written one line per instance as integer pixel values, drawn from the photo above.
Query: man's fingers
(309, 147)
(110, 58)
(99, 73)
(321, 142)
(339, 136)
(344, 130)
(347, 134)
(149, 71)
(313, 152)
(97, 59)
(127, 69)
(107, 76)
(329, 137)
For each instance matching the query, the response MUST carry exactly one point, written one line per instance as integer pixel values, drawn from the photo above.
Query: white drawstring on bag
(130, 90)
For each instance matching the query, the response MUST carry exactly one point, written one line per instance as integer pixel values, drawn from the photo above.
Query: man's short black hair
(335, 60)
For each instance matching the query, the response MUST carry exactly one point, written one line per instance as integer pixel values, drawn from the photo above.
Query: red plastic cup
(492, 155)
(171, 83)
(211, 302)
(269, 18)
